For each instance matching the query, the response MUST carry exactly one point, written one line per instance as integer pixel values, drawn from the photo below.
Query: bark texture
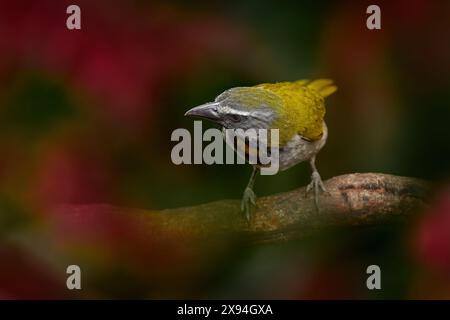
(352, 199)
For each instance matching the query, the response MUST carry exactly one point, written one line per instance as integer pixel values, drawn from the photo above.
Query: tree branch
(353, 199)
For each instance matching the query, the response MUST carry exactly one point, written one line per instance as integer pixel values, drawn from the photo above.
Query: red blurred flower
(23, 277)
(432, 241)
(72, 175)
(122, 56)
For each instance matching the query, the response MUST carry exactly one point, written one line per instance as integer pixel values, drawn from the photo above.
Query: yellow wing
(303, 107)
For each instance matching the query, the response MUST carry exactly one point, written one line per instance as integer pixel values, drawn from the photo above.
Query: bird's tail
(325, 87)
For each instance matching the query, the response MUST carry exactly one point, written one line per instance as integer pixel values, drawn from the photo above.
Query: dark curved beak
(205, 111)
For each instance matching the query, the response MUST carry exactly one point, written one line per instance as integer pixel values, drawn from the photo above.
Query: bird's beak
(206, 111)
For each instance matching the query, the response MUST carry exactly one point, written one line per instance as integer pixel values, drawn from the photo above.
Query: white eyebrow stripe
(228, 110)
(241, 113)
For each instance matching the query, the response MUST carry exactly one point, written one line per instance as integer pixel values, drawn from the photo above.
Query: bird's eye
(235, 117)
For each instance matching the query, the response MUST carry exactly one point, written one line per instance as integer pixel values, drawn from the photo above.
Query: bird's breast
(296, 150)
(299, 149)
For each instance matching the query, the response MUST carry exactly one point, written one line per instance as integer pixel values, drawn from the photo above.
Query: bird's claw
(317, 186)
(316, 183)
(248, 200)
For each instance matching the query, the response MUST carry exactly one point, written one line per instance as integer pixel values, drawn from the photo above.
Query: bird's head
(240, 108)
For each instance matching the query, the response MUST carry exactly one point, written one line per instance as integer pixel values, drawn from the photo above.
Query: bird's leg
(249, 197)
(316, 183)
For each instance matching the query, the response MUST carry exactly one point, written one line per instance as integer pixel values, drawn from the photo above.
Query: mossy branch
(354, 199)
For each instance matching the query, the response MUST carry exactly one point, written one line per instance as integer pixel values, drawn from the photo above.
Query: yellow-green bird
(296, 108)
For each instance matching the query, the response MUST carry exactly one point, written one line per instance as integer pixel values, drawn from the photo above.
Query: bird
(295, 108)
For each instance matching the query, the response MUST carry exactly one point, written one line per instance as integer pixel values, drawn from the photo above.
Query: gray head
(240, 108)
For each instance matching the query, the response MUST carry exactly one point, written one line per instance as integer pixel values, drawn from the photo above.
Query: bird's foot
(248, 201)
(317, 186)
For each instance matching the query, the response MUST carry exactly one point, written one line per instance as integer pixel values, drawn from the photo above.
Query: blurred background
(86, 118)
